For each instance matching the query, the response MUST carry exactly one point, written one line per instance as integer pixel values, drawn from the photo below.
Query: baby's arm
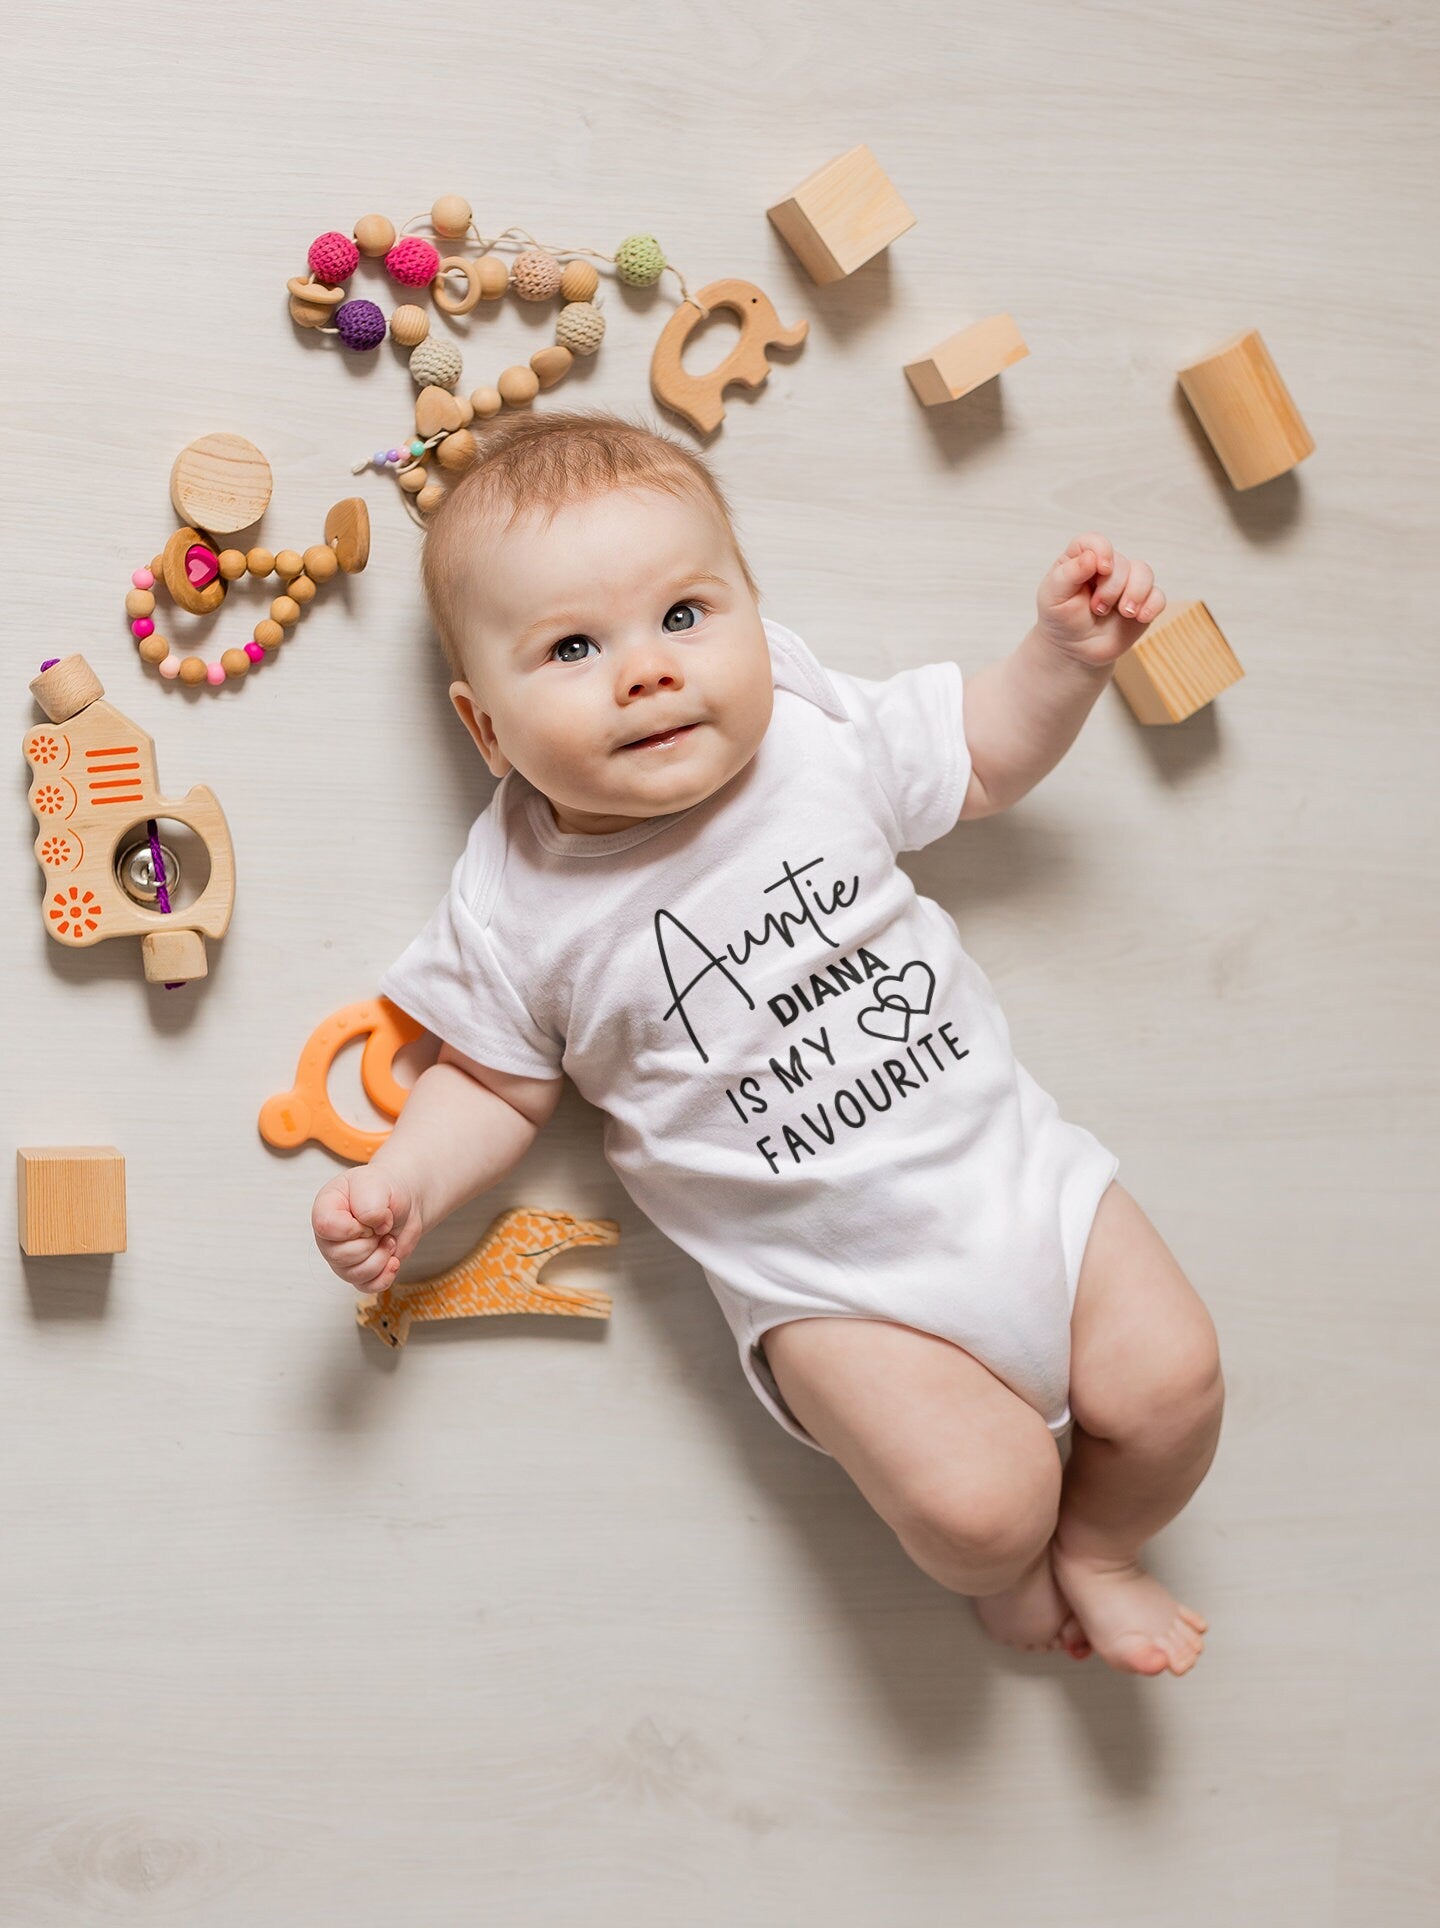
(460, 1130)
(1023, 712)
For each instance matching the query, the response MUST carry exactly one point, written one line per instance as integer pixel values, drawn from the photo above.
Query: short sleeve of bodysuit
(912, 726)
(452, 976)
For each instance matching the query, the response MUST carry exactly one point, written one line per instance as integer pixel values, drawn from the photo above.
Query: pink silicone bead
(256, 652)
(214, 672)
(170, 667)
(143, 579)
(142, 627)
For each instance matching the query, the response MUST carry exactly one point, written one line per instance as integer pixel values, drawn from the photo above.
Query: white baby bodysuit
(807, 1083)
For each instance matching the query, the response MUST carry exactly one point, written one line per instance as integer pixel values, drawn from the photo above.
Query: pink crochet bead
(142, 627)
(170, 668)
(143, 579)
(256, 652)
(333, 258)
(214, 672)
(413, 262)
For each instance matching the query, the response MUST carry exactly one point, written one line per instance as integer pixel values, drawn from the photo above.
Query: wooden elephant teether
(697, 397)
(500, 1275)
(95, 791)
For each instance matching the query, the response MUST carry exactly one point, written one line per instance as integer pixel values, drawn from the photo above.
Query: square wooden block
(1247, 411)
(962, 362)
(1181, 663)
(842, 216)
(71, 1199)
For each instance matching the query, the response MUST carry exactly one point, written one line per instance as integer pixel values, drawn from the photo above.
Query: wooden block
(1246, 410)
(1181, 663)
(962, 362)
(71, 1199)
(173, 957)
(841, 216)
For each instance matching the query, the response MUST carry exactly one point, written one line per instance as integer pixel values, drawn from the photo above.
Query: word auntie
(865, 1096)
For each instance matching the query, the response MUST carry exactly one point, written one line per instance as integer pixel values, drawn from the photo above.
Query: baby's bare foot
(1030, 1614)
(1132, 1622)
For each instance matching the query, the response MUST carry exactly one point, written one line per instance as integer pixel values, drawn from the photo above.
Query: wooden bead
(551, 364)
(374, 235)
(467, 410)
(300, 589)
(284, 610)
(347, 530)
(235, 662)
(192, 669)
(518, 385)
(429, 499)
(155, 648)
(288, 562)
(320, 562)
(437, 411)
(487, 402)
(232, 564)
(446, 298)
(451, 216)
(268, 634)
(309, 314)
(409, 326)
(259, 562)
(457, 451)
(157, 565)
(412, 481)
(579, 281)
(139, 602)
(494, 273)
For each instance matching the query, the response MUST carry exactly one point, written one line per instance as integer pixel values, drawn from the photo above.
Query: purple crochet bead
(360, 324)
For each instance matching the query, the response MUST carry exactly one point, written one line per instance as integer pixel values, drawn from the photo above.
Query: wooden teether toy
(500, 1275)
(218, 485)
(697, 397)
(305, 1112)
(431, 255)
(95, 791)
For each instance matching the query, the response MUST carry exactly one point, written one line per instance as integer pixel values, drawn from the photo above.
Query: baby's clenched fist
(365, 1222)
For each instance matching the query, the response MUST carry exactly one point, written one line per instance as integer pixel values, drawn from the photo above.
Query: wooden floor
(551, 1623)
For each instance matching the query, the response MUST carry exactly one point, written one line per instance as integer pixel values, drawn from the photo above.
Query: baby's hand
(1094, 603)
(365, 1222)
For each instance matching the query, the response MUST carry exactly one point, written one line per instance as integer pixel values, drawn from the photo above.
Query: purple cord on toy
(49, 663)
(157, 865)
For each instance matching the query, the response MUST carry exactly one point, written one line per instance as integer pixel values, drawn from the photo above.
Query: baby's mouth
(659, 738)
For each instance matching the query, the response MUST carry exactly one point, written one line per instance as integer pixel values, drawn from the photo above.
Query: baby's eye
(564, 644)
(679, 629)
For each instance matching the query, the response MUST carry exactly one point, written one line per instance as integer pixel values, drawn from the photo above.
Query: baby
(683, 894)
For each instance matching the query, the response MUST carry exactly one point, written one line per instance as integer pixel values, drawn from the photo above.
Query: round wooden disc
(220, 483)
(347, 530)
(200, 602)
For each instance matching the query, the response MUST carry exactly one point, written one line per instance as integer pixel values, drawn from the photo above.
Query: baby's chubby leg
(963, 1471)
(1147, 1393)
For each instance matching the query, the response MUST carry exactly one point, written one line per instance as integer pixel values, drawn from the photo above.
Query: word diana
(854, 1104)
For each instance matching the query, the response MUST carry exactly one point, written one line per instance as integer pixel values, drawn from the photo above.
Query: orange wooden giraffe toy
(500, 1275)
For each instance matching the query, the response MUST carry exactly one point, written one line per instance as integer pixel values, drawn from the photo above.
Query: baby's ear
(479, 727)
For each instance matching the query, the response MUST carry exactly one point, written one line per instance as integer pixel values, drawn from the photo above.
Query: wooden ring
(450, 304)
(305, 288)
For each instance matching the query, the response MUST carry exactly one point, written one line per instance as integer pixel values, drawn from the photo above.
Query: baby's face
(627, 616)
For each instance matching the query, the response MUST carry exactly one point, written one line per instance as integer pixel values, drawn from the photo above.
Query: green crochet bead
(640, 260)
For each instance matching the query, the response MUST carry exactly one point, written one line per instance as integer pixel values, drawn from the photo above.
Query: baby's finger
(364, 1274)
(1153, 604)
(1136, 589)
(370, 1199)
(1100, 545)
(1105, 592)
(332, 1218)
(352, 1251)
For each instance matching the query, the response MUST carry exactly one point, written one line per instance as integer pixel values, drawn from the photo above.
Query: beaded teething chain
(197, 576)
(443, 418)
